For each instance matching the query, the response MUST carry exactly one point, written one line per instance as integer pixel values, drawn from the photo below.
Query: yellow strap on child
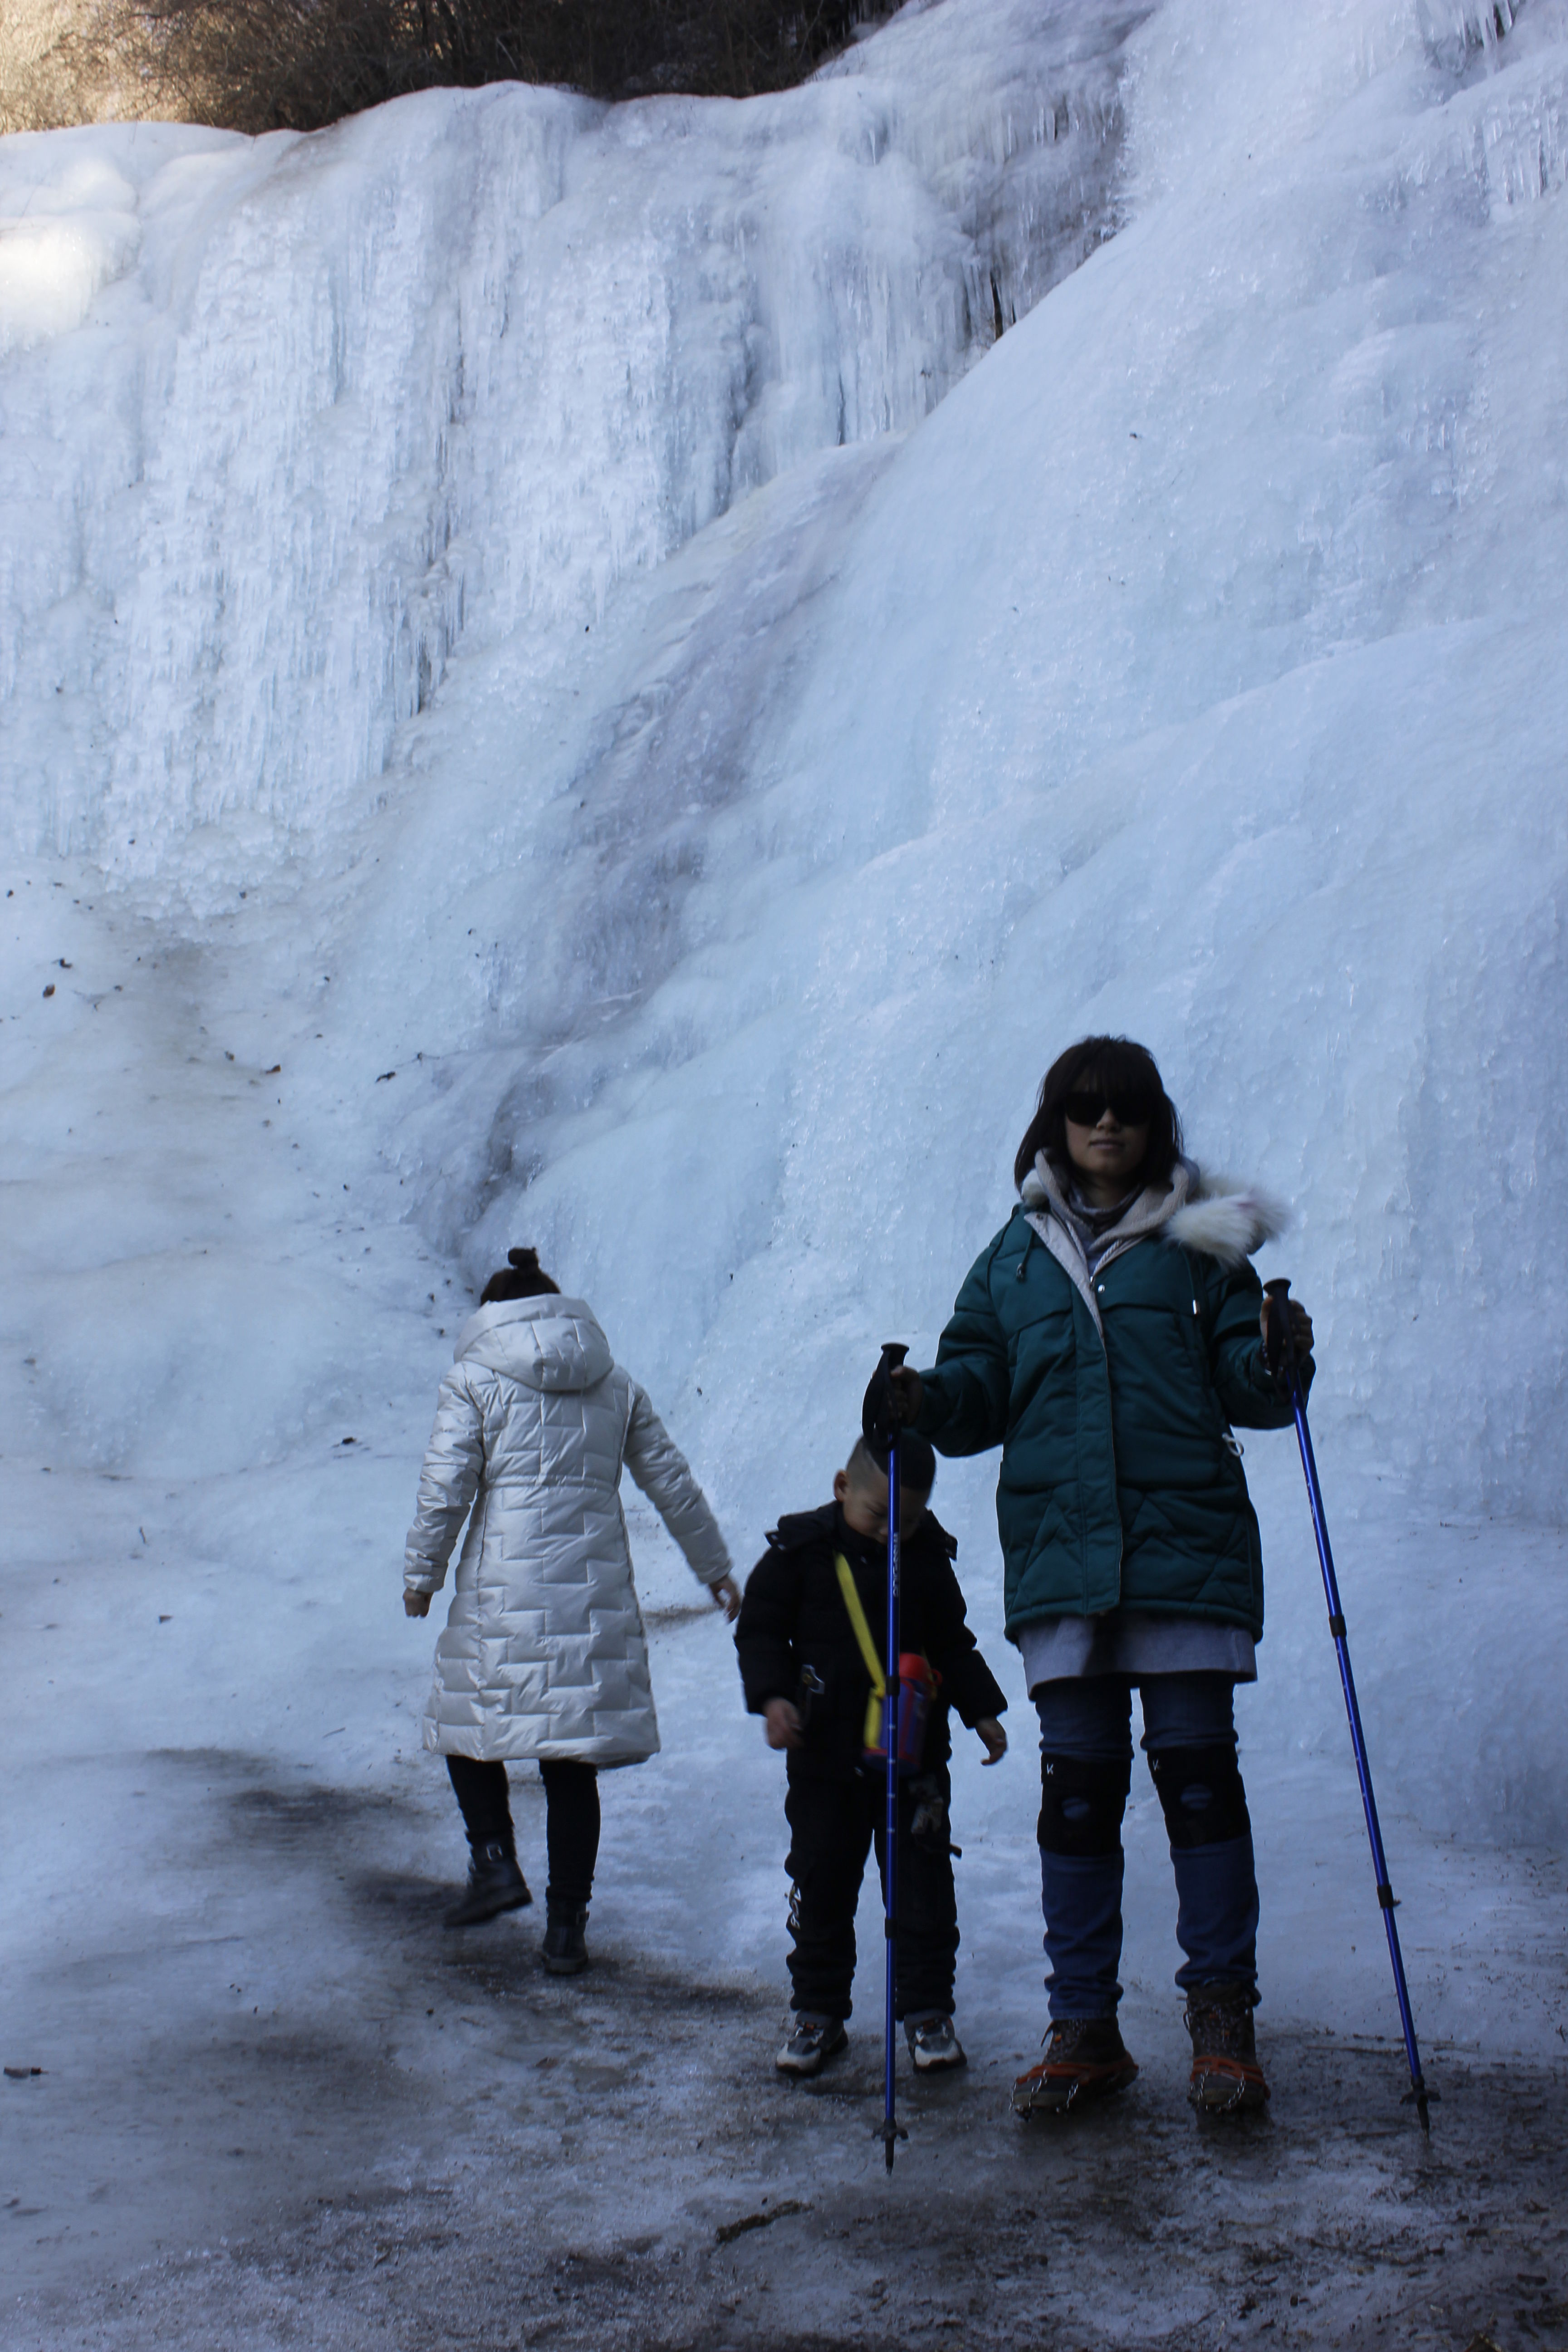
(873, 1663)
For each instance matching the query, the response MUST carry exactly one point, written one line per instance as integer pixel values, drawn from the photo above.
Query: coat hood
(1224, 1220)
(549, 1343)
(1228, 1221)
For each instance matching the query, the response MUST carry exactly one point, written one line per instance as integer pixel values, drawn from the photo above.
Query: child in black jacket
(803, 1673)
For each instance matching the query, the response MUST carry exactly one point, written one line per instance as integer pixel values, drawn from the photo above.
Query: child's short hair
(917, 1462)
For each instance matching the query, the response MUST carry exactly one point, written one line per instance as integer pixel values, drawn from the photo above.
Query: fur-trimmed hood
(1214, 1215)
(1227, 1221)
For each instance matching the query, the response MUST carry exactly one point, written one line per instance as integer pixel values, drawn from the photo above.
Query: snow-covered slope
(805, 756)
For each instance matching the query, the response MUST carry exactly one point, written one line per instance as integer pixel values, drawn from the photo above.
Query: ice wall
(464, 361)
(1197, 670)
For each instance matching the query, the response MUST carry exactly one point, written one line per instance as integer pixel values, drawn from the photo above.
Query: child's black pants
(834, 1824)
(571, 1818)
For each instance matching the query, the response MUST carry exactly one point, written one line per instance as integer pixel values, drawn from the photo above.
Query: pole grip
(878, 1421)
(1280, 1344)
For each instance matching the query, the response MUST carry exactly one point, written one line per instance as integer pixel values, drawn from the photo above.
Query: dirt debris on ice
(449, 2146)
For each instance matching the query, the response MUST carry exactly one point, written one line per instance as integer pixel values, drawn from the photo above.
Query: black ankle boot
(495, 1884)
(564, 1951)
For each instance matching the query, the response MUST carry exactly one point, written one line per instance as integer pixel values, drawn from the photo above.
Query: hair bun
(522, 1277)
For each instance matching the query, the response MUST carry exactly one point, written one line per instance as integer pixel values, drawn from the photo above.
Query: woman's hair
(522, 1277)
(1112, 1066)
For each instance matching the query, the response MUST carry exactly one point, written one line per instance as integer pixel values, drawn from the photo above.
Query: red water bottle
(917, 1689)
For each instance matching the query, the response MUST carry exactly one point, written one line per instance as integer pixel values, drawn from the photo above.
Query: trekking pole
(1280, 1353)
(881, 1426)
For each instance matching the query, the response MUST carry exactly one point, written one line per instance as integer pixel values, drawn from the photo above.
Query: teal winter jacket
(1114, 1401)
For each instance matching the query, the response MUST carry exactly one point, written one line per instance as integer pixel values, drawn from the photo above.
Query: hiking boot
(815, 2041)
(495, 1884)
(933, 2045)
(1226, 2079)
(564, 1951)
(1085, 2059)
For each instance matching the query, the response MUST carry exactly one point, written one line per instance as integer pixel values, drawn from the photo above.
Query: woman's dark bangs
(1122, 1071)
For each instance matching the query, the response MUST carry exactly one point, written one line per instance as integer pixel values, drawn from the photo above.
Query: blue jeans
(1088, 1719)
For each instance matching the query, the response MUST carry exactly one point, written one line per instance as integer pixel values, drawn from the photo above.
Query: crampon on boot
(495, 1884)
(1085, 2059)
(564, 1951)
(1227, 2078)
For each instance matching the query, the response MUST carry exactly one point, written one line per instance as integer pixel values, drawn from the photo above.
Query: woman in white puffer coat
(543, 1654)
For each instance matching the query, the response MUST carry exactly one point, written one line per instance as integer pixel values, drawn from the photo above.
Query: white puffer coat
(544, 1653)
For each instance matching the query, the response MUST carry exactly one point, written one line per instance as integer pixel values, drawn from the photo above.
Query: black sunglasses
(1128, 1110)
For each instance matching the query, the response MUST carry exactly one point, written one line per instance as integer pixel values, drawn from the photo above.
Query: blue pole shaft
(1358, 1741)
(891, 1841)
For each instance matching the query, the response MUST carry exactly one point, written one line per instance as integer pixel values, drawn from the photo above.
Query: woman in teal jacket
(1109, 1339)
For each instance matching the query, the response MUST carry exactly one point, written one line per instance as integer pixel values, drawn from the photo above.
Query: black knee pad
(1201, 1794)
(1083, 1799)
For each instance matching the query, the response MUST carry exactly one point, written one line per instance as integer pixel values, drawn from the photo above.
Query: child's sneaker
(815, 2041)
(495, 1884)
(1227, 2078)
(1085, 2059)
(933, 2045)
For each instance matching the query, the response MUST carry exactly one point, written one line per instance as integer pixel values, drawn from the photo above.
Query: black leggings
(571, 1819)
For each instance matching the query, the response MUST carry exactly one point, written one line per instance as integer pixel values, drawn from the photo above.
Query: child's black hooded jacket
(793, 1616)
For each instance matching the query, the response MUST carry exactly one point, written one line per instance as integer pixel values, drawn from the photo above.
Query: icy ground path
(280, 2106)
(1331, 2224)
